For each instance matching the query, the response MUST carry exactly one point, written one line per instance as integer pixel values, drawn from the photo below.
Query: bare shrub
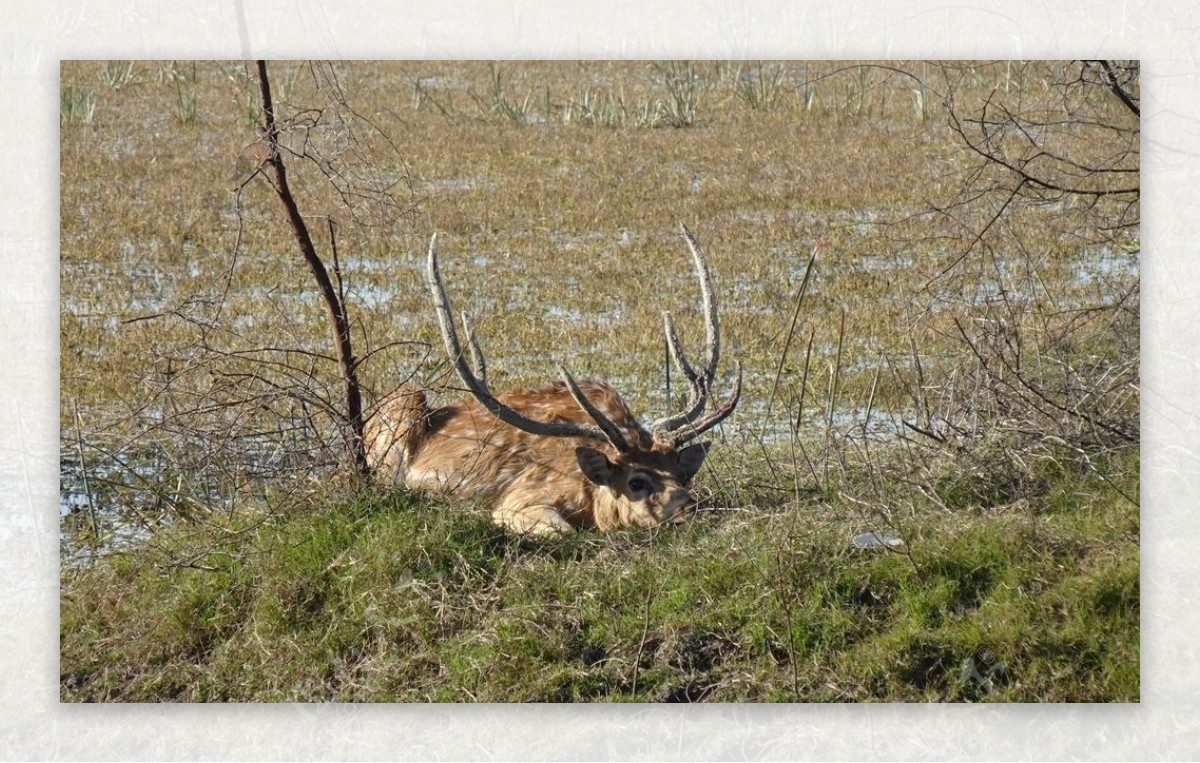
(240, 395)
(1041, 298)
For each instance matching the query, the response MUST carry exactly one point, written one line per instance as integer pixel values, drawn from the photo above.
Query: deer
(551, 461)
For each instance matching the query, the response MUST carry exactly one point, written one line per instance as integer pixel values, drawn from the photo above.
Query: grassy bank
(389, 598)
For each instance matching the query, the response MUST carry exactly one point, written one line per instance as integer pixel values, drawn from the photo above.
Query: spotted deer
(550, 460)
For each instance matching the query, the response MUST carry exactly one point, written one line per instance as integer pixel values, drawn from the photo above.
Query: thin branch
(336, 308)
(1111, 77)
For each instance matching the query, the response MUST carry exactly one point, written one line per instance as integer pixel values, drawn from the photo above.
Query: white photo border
(33, 725)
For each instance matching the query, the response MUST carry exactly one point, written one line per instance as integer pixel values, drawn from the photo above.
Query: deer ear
(594, 465)
(690, 459)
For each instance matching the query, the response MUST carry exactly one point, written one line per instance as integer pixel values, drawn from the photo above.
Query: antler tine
(697, 396)
(476, 353)
(691, 430)
(712, 328)
(701, 383)
(441, 304)
(611, 431)
(676, 349)
(477, 385)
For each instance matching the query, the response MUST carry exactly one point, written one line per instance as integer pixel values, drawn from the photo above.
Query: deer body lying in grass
(569, 455)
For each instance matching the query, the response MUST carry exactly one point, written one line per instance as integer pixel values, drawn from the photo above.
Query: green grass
(76, 105)
(393, 598)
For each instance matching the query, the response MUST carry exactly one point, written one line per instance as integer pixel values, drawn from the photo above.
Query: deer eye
(639, 485)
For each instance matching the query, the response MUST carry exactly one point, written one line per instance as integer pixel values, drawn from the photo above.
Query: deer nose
(677, 506)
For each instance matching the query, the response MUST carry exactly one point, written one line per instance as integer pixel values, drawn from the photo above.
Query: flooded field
(191, 326)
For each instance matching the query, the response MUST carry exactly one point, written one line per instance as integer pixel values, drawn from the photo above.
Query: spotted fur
(533, 483)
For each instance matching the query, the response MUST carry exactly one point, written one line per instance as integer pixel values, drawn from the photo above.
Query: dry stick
(800, 421)
(873, 469)
(871, 394)
(834, 376)
(866, 434)
(337, 267)
(637, 660)
(87, 489)
(922, 402)
(762, 446)
(804, 381)
(667, 367)
(792, 328)
(1117, 90)
(336, 308)
(785, 602)
(787, 344)
(787, 614)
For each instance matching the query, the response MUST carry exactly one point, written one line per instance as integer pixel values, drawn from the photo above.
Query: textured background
(35, 37)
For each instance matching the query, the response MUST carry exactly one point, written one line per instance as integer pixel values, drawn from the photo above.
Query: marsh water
(123, 497)
(195, 353)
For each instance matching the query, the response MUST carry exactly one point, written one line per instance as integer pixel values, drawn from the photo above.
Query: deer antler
(476, 381)
(671, 431)
(683, 426)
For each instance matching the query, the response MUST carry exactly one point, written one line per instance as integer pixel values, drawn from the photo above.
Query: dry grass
(560, 236)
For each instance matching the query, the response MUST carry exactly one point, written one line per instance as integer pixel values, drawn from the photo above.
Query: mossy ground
(383, 597)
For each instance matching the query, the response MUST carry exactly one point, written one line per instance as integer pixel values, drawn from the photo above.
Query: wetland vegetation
(929, 273)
